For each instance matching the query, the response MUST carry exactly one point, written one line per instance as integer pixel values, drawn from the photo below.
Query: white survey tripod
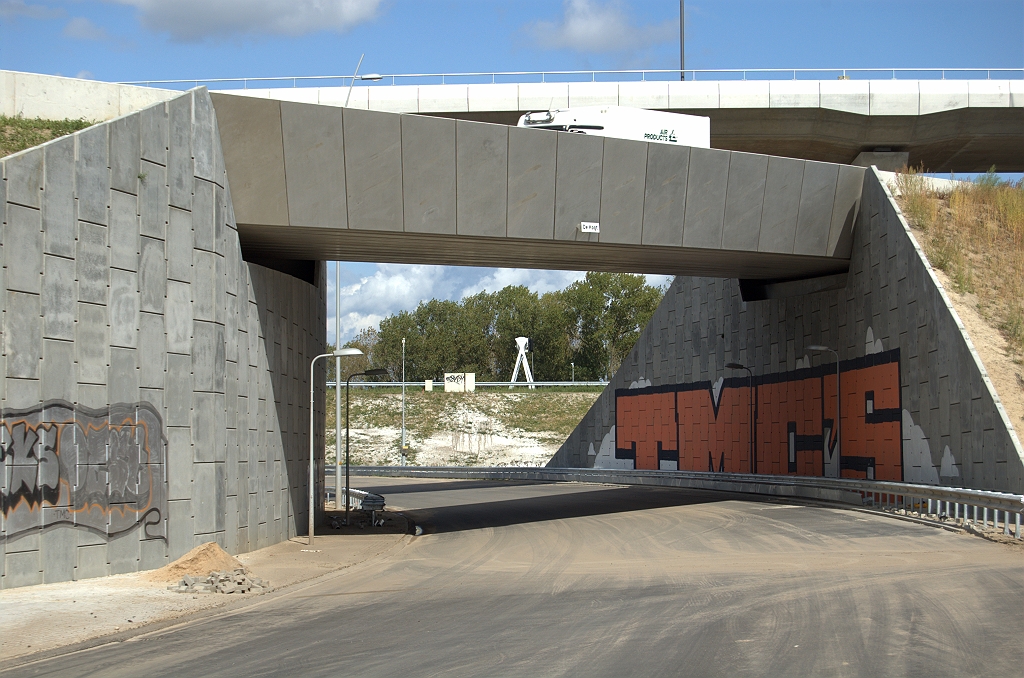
(523, 344)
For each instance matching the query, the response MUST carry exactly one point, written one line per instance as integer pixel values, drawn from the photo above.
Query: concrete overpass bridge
(163, 296)
(920, 117)
(315, 181)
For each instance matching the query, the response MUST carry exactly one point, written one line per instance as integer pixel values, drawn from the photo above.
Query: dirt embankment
(973, 237)
(485, 428)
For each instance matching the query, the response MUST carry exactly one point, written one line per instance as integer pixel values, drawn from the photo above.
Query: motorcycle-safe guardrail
(623, 75)
(955, 505)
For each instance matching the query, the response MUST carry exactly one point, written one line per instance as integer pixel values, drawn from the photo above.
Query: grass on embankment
(17, 133)
(975, 234)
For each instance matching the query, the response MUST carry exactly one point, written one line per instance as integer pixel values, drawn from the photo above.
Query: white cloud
(81, 28)
(592, 26)
(390, 289)
(537, 281)
(18, 8)
(195, 20)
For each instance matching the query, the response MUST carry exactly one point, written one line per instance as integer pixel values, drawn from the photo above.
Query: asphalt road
(579, 580)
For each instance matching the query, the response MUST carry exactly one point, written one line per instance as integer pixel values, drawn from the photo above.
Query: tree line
(592, 323)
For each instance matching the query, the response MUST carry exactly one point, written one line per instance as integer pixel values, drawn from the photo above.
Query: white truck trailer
(621, 122)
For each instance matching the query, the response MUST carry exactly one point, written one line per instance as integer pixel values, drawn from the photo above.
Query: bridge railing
(439, 385)
(626, 75)
(970, 509)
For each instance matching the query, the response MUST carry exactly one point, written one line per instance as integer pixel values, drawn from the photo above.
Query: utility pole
(403, 401)
(682, 42)
(337, 391)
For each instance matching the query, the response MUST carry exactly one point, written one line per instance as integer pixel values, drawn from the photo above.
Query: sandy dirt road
(538, 579)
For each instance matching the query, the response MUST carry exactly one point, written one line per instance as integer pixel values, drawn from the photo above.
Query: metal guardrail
(358, 499)
(439, 385)
(626, 75)
(959, 506)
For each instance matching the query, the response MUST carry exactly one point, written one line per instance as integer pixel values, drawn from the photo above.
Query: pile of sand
(199, 562)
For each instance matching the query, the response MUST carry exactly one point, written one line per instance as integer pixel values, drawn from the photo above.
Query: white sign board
(590, 227)
(459, 382)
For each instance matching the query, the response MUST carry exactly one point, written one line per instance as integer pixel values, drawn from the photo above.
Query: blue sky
(129, 40)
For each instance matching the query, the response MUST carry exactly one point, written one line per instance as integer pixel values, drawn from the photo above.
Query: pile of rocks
(237, 581)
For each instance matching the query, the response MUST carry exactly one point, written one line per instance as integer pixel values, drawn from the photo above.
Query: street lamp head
(735, 366)
(818, 347)
(372, 76)
(342, 352)
(376, 372)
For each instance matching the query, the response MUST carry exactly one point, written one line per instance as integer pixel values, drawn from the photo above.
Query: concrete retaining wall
(917, 405)
(51, 97)
(154, 385)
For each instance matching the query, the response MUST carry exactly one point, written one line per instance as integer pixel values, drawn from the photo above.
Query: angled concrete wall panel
(817, 202)
(665, 194)
(577, 185)
(744, 201)
(428, 174)
(260, 195)
(313, 141)
(706, 187)
(531, 183)
(781, 205)
(126, 353)
(623, 186)
(373, 171)
(481, 178)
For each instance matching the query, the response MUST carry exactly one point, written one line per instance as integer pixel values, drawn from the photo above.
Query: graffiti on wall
(98, 469)
(705, 426)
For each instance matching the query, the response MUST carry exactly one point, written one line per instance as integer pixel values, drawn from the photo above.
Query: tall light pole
(368, 373)
(339, 354)
(682, 42)
(753, 412)
(839, 410)
(355, 76)
(312, 486)
(403, 401)
(337, 380)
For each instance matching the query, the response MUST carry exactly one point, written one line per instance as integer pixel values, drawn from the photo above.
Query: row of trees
(593, 324)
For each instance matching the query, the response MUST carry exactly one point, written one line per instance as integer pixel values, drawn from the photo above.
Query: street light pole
(337, 380)
(753, 412)
(839, 409)
(682, 42)
(312, 390)
(367, 373)
(403, 401)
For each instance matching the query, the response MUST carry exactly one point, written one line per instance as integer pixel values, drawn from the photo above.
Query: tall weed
(917, 201)
(976, 235)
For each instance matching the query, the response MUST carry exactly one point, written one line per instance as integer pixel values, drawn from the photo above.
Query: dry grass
(975, 234)
(17, 134)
